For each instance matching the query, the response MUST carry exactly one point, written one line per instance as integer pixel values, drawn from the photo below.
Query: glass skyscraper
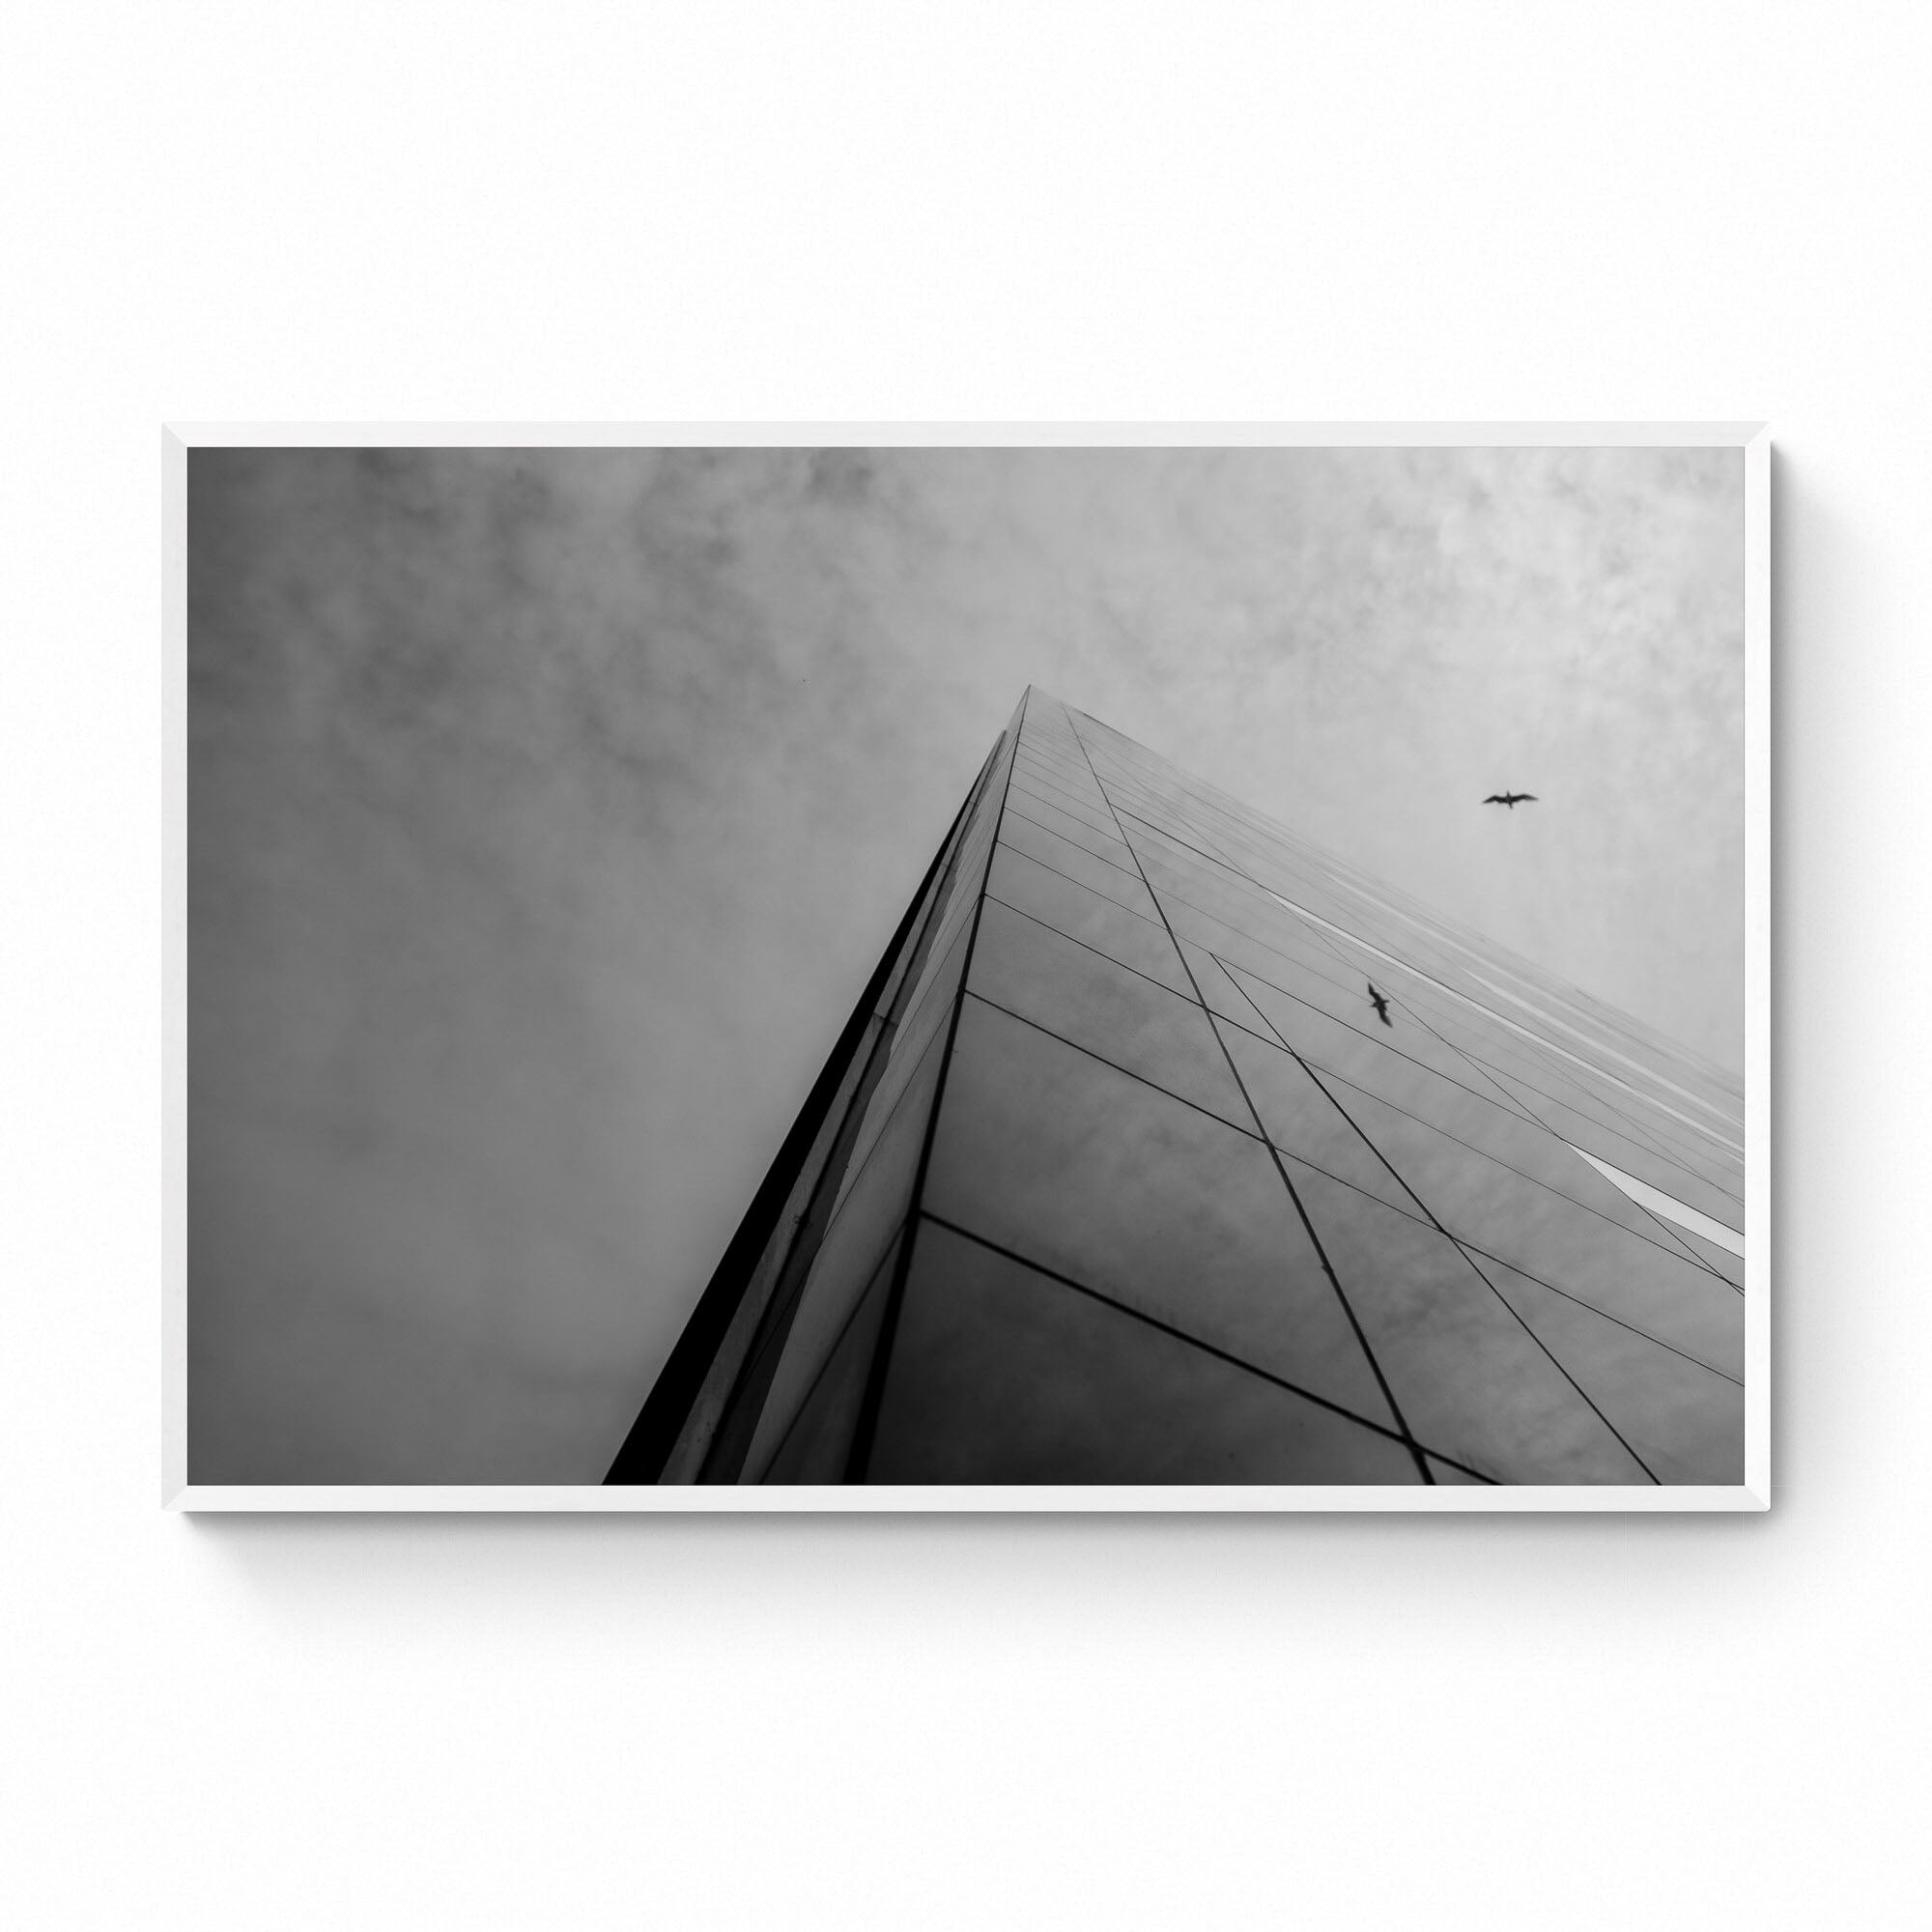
(1163, 1147)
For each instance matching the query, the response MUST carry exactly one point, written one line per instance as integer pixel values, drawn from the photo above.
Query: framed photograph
(1180, 968)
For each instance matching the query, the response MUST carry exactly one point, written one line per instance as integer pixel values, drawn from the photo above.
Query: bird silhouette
(1381, 1004)
(1512, 799)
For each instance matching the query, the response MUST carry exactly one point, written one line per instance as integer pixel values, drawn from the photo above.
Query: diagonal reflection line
(1582, 1102)
(1307, 1226)
(1273, 1040)
(1360, 1033)
(1658, 1202)
(1651, 1135)
(1648, 1136)
(1536, 1040)
(1500, 1094)
(1652, 1139)
(1394, 1107)
(1464, 1252)
(1350, 879)
(1638, 1136)
(1642, 1136)
(1303, 912)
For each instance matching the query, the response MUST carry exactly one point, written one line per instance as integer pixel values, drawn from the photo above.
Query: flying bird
(1381, 1004)
(1512, 799)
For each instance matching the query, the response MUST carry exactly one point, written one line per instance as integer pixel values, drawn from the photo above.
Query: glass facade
(1165, 1149)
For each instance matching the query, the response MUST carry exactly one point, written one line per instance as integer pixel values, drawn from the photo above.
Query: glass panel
(1071, 909)
(1730, 1267)
(872, 1214)
(1673, 1216)
(1344, 1035)
(1489, 1132)
(942, 959)
(1535, 1080)
(1665, 1172)
(905, 1058)
(1686, 1422)
(1301, 1120)
(1521, 1146)
(987, 808)
(1620, 1150)
(1077, 798)
(818, 1446)
(1450, 1476)
(1045, 1150)
(1044, 769)
(1048, 737)
(1221, 994)
(1549, 1236)
(1076, 862)
(1102, 844)
(1233, 946)
(1072, 991)
(1653, 1080)
(1051, 767)
(1038, 797)
(1207, 890)
(973, 847)
(1472, 1383)
(1002, 1375)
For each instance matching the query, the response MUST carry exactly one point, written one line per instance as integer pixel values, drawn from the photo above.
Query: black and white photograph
(1178, 969)
(963, 966)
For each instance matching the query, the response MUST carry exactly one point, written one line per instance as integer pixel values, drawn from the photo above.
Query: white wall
(1203, 212)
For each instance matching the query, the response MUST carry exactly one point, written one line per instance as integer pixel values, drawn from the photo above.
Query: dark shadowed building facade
(1165, 1149)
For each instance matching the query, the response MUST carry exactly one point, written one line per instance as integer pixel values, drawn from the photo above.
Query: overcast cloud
(548, 809)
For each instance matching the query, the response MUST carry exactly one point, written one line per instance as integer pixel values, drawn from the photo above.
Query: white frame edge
(1752, 1496)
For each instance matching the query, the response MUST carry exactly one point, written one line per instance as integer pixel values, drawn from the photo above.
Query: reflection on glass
(1055, 773)
(872, 1214)
(1071, 990)
(1101, 844)
(818, 1445)
(1227, 942)
(1104, 924)
(1216, 988)
(1303, 1120)
(1076, 862)
(1111, 1275)
(1035, 794)
(1339, 1030)
(1471, 1383)
(1682, 1218)
(1492, 1131)
(907, 1054)
(1684, 1420)
(1731, 1266)
(1538, 1084)
(1000, 1375)
(1045, 1150)
(1661, 1171)
(1548, 1235)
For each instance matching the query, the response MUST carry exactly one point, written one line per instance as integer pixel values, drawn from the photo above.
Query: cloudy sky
(547, 811)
